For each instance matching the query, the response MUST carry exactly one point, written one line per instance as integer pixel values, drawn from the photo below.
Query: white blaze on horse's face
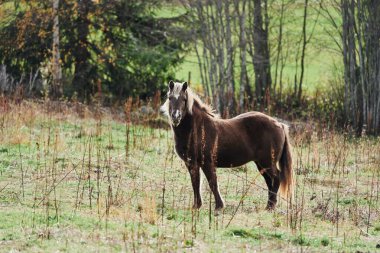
(177, 96)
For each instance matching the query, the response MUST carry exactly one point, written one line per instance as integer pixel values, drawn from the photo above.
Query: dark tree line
(118, 47)
(121, 48)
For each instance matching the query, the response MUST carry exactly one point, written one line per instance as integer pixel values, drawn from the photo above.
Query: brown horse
(202, 140)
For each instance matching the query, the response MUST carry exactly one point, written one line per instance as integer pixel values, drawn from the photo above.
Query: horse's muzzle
(176, 122)
(176, 118)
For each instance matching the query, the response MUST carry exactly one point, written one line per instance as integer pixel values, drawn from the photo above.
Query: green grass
(170, 10)
(66, 184)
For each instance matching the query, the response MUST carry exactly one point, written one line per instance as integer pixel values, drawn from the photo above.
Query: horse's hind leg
(210, 173)
(196, 183)
(272, 180)
(275, 180)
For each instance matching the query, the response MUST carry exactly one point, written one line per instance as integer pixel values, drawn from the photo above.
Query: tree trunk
(56, 89)
(349, 56)
(371, 89)
(82, 68)
(303, 51)
(279, 46)
(261, 56)
(245, 89)
(361, 58)
(220, 47)
(214, 24)
(230, 60)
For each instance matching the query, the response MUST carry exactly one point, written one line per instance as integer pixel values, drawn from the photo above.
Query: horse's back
(250, 114)
(255, 132)
(256, 120)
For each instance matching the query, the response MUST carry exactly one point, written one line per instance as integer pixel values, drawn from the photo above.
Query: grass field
(78, 179)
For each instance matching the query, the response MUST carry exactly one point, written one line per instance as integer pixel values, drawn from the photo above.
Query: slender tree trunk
(283, 62)
(353, 95)
(261, 56)
(245, 89)
(210, 45)
(214, 23)
(279, 46)
(201, 68)
(220, 47)
(56, 89)
(201, 56)
(230, 60)
(303, 51)
(82, 68)
(369, 19)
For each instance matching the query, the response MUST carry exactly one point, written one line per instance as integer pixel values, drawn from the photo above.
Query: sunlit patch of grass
(243, 233)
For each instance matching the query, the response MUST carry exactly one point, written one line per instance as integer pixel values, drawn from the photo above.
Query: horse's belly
(229, 164)
(233, 158)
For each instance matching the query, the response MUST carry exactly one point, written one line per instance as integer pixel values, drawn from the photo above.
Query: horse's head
(178, 102)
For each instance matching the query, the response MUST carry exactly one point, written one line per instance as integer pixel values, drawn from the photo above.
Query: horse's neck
(189, 122)
(184, 128)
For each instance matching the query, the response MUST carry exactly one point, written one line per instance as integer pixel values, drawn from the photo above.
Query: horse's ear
(184, 86)
(171, 85)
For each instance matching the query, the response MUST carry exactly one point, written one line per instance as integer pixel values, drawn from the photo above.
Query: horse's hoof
(270, 208)
(197, 206)
(218, 211)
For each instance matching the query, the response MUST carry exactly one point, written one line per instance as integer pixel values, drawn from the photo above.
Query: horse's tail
(286, 170)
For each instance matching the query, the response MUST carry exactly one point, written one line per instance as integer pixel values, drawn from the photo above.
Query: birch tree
(361, 58)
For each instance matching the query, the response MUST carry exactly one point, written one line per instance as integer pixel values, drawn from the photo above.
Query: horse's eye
(170, 98)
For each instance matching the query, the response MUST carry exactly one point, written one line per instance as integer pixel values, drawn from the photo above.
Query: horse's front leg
(196, 183)
(210, 173)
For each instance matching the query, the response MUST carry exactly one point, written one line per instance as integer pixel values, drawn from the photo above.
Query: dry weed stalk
(127, 110)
